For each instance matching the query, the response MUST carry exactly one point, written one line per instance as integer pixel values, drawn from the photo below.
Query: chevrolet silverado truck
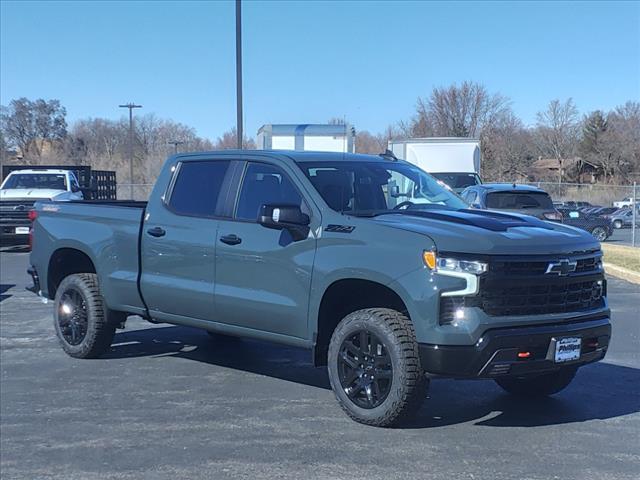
(386, 276)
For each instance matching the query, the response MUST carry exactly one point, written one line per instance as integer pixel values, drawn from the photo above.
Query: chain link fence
(618, 204)
(137, 191)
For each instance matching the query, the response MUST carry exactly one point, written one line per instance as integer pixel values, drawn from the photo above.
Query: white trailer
(455, 161)
(319, 138)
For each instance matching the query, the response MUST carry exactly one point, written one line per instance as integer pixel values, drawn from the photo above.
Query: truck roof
(509, 187)
(31, 170)
(295, 155)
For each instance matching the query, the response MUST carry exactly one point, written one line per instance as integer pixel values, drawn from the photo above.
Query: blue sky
(305, 62)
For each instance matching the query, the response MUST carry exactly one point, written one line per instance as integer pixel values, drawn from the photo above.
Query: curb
(623, 273)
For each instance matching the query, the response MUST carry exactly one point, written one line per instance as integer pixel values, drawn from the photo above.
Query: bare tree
(368, 143)
(457, 111)
(557, 132)
(228, 141)
(507, 149)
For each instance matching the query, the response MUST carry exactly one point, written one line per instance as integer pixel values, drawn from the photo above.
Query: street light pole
(130, 106)
(239, 132)
(175, 144)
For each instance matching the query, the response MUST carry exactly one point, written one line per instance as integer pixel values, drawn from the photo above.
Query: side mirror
(285, 217)
(75, 188)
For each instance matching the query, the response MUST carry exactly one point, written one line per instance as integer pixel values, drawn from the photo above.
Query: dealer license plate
(567, 349)
(22, 230)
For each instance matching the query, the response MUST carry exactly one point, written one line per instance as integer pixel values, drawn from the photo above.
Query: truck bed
(106, 231)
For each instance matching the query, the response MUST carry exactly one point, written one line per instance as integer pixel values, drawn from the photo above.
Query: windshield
(519, 200)
(36, 180)
(458, 181)
(368, 188)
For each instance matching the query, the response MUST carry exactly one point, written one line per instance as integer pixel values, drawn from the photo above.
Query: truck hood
(30, 193)
(488, 232)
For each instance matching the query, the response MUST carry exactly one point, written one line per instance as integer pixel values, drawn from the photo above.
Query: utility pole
(175, 144)
(239, 132)
(130, 106)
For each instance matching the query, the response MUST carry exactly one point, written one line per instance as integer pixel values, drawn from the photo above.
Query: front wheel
(540, 385)
(84, 325)
(600, 233)
(374, 367)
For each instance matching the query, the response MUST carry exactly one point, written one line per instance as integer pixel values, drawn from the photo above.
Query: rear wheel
(84, 326)
(600, 233)
(540, 385)
(374, 367)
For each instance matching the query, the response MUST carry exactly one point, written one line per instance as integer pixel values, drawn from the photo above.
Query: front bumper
(496, 352)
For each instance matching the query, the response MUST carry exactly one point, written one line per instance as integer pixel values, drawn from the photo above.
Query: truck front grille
(12, 211)
(574, 295)
(521, 286)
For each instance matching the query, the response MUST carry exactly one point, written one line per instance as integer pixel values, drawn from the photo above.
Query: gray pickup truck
(384, 274)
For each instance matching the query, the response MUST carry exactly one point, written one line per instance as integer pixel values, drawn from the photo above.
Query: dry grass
(626, 257)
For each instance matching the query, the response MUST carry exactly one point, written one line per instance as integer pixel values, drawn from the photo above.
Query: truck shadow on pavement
(600, 391)
(4, 287)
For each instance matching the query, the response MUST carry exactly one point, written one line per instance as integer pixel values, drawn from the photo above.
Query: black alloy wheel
(365, 369)
(73, 318)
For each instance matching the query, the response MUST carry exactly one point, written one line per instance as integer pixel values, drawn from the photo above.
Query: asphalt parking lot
(624, 236)
(169, 402)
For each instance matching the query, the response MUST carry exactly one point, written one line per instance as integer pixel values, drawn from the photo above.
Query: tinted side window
(197, 187)
(264, 184)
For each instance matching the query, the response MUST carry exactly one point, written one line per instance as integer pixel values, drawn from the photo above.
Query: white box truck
(454, 161)
(319, 138)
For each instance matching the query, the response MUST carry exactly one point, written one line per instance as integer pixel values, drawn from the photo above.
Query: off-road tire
(617, 224)
(540, 385)
(408, 386)
(101, 324)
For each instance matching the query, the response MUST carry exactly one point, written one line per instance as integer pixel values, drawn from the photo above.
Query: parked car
(530, 200)
(623, 217)
(627, 202)
(525, 199)
(369, 262)
(22, 188)
(600, 227)
(575, 204)
(603, 211)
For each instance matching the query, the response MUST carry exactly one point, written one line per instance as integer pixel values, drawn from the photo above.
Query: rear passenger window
(197, 187)
(264, 184)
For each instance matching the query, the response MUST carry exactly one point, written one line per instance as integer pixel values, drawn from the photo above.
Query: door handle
(156, 232)
(231, 239)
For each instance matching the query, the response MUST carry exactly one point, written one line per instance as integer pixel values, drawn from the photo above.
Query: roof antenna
(389, 155)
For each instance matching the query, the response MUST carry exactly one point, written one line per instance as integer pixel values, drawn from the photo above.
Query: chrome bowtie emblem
(562, 267)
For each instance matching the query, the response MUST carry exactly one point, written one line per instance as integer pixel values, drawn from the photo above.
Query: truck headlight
(448, 264)
(468, 270)
(465, 266)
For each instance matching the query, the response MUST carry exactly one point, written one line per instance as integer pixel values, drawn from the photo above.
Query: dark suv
(530, 200)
